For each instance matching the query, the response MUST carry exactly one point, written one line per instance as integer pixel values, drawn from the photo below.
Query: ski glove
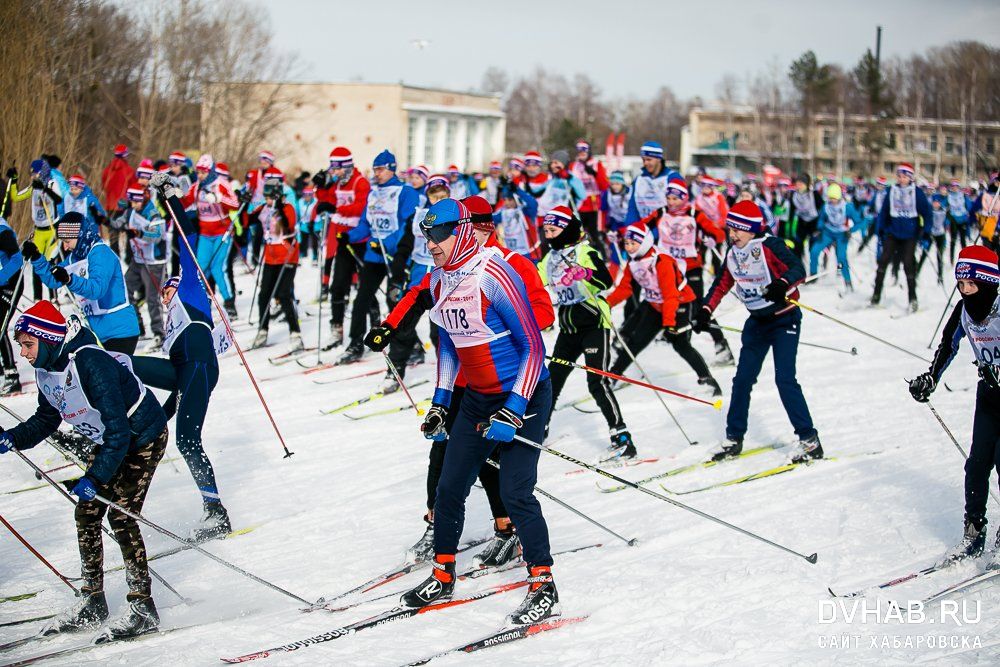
(84, 489)
(162, 182)
(378, 337)
(701, 320)
(433, 426)
(925, 243)
(503, 425)
(326, 207)
(30, 251)
(922, 386)
(990, 374)
(775, 292)
(574, 274)
(6, 442)
(394, 293)
(12, 173)
(61, 275)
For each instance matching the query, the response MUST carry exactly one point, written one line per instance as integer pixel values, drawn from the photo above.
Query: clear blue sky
(627, 47)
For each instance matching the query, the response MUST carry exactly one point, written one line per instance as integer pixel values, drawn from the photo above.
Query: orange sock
(440, 573)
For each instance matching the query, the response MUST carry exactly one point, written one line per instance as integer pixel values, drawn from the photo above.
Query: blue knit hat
(617, 177)
(651, 149)
(385, 159)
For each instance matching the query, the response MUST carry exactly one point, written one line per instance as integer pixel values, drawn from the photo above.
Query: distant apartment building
(419, 125)
(741, 139)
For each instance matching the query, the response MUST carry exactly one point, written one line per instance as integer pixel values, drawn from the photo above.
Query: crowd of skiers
(494, 259)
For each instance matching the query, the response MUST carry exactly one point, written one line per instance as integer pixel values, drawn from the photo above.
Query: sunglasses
(437, 233)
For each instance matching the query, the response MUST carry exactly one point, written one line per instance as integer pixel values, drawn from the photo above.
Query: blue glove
(925, 243)
(6, 442)
(503, 425)
(84, 490)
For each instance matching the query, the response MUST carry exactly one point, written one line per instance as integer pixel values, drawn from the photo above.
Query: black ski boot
(710, 382)
(502, 549)
(731, 448)
(214, 523)
(230, 307)
(723, 355)
(424, 547)
(436, 588)
(140, 618)
(353, 353)
(542, 600)
(11, 383)
(89, 613)
(808, 449)
(622, 448)
(972, 544)
(416, 356)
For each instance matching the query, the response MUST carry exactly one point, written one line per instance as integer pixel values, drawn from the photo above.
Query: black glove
(131, 233)
(922, 386)
(378, 337)
(12, 173)
(395, 292)
(342, 237)
(37, 184)
(326, 207)
(589, 169)
(319, 179)
(244, 196)
(775, 292)
(701, 320)
(433, 426)
(60, 274)
(990, 374)
(30, 251)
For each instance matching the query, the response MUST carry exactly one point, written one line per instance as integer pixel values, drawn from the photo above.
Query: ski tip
(854, 351)
(830, 591)
(718, 404)
(633, 542)
(812, 558)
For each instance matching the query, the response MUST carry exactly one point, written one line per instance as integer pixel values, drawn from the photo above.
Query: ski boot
(424, 547)
(353, 353)
(87, 614)
(260, 340)
(389, 384)
(807, 449)
(914, 306)
(11, 383)
(723, 355)
(503, 548)
(972, 544)
(621, 449)
(710, 382)
(140, 619)
(730, 448)
(436, 588)
(214, 523)
(295, 343)
(416, 356)
(542, 600)
(336, 336)
(230, 307)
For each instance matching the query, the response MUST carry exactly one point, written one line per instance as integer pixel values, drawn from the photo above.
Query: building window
(890, 140)
(470, 135)
(430, 142)
(991, 145)
(827, 139)
(852, 139)
(449, 140)
(949, 143)
(888, 167)
(934, 145)
(908, 143)
(411, 139)
(952, 169)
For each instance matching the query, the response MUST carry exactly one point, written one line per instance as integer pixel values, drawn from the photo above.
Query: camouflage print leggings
(127, 488)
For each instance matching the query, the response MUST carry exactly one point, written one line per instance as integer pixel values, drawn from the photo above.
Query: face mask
(47, 354)
(978, 305)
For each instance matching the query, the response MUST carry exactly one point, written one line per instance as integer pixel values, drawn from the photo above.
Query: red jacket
(114, 182)
(595, 184)
(673, 288)
(350, 197)
(705, 228)
(281, 246)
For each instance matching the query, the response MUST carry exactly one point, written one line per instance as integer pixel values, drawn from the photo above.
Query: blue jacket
(401, 219)
(111, 390)
(905, 228)
(10, 255)
(850, 214)
(87, 204)
(633, 214)
(104, 284)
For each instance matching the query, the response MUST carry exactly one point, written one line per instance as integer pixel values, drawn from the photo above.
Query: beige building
(419, 125)
(742, 140)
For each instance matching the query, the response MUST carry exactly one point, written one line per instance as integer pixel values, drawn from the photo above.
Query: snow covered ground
(349, 502)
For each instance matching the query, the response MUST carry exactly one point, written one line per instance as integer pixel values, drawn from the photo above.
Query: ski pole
(321, 242)
(566, 457)
(575, 511)
(361, 265)
(15, 299)
(853, 351)
(256, 285)
(954, 441)
(194, 545)
(399, 379)
(596, 371)
(58, 487)
(171, 202)
(854, 328)
(36, 554)
(944, 313)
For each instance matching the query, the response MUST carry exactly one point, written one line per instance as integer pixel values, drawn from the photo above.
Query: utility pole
(878, 49)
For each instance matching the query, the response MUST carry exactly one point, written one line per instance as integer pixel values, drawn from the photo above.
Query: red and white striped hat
(177, 158)
(516, 163)
(438, 181)
(341, 158)
(136, 193)
(711, 182)
(222, 169)
(905, 168)
(978, 263)
(273, 174)
(678, 188)
(145, 169)
(746, 217)
(496, 165)
(77, 180)
(266, 155)
(532, 157)
(640, 234)
(559, 217)
(882, 180)
(422, 171)
(453, 169)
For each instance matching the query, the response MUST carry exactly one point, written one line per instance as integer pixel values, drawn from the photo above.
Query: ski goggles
(438, 233)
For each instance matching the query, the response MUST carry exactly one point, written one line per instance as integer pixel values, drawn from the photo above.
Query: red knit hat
(516, 163)
(222, 169)
(495, 165)
(678, 188)
(746, 217)
(145, 169)
(177, 158)
(77, 180)
(453, 169)
(639, 234)
(341, 158)
(482, 213)
(43, 321)
(905, 168)
(559, 217)
(438, 181)
(266, 155)
(532, 157)
(121, 150)
(978, 263)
